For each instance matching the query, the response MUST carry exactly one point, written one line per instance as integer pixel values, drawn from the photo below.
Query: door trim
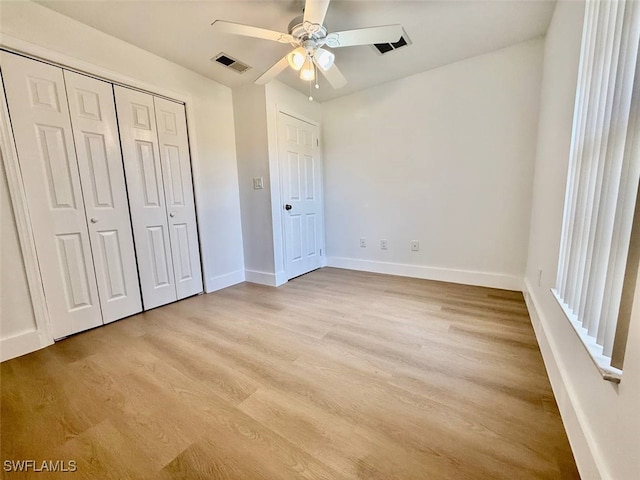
(26, 240)
(277, 196)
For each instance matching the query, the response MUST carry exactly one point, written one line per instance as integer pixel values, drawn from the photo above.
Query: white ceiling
(441, 32)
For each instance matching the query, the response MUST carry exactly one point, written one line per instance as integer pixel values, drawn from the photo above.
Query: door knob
(172, 214)
(94, 220)
(288, 207)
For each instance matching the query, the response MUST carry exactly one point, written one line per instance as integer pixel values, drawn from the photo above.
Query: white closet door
(136, 120)
(93, 117)
(178, 189)
(42, 130)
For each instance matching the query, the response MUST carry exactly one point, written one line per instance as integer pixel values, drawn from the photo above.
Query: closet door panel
(42, 131)
(93, 117)
(136, 121)
(178, 187)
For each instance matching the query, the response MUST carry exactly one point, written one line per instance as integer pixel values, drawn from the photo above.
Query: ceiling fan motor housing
(304, 32)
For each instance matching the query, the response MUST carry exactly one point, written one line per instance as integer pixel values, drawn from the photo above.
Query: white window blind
(602, 178)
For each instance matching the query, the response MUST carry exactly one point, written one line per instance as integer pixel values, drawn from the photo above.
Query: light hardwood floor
(336, 375)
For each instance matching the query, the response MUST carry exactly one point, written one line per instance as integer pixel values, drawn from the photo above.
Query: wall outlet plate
(363, 243)
(415, 245)
(384, 244)
(258, 183)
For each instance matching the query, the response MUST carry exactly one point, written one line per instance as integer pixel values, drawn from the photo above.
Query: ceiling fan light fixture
(307, 34)
(296, 60)
(307, 72)
(324, 59)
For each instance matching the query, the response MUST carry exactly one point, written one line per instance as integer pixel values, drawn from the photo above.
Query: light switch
(258, 183)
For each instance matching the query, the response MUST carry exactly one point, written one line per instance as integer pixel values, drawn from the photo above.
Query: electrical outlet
(258, 183)
(415, 245)
(383, 244)
(363, 243)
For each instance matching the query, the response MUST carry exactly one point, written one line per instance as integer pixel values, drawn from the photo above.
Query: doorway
(301, 187)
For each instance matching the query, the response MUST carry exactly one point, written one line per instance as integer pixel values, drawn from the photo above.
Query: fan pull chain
(315, 75)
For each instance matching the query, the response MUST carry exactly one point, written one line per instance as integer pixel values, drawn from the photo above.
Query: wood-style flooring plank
(336, 375)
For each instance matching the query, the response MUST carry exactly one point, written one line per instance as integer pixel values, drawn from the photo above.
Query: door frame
(42, 337)
(277, 194)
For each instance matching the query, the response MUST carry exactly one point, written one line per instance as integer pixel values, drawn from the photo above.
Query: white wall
(256, 116)
(250, 117)
(602, 420)
(34, 28)
(444, 157)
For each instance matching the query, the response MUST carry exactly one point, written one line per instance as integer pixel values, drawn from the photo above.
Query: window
(602, 185)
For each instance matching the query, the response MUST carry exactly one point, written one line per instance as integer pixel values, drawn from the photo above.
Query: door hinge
(317, 142)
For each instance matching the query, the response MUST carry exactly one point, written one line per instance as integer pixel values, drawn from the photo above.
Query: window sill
(602, 363)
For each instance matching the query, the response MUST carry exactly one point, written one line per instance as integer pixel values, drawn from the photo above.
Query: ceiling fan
(307, 34)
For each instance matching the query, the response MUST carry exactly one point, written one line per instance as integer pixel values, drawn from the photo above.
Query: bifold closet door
(95, 130)
(138, 134)
(42, 130)
(178, 189)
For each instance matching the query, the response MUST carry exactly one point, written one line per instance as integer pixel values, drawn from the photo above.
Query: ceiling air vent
(230, 62)
(383, 48)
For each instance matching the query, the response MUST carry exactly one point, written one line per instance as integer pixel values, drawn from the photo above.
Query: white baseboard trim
(467, 277)
(281, 278)
(589, 462)
(21, 344)
(223, 281)
(264, 278)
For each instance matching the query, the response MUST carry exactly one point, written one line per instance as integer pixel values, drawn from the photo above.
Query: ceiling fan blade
(315, 11)
(249, 31)
(365, 36)
(333, 75)
(273, 72)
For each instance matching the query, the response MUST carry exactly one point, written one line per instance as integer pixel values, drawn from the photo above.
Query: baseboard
(264, 278)
(281, 278)
(583, 445)
(223, 281)
(467, 277)
(21, 344)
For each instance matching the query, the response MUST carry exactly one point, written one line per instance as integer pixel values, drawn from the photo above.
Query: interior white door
(300, 171)
(178, 189)
(93, 117)
(42, 130)
(138, 135)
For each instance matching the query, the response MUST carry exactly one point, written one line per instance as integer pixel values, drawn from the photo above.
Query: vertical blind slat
(612, 158)
(588, 42)
(603, 173)
(583, 166)
(628, 186)
(597, 231)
